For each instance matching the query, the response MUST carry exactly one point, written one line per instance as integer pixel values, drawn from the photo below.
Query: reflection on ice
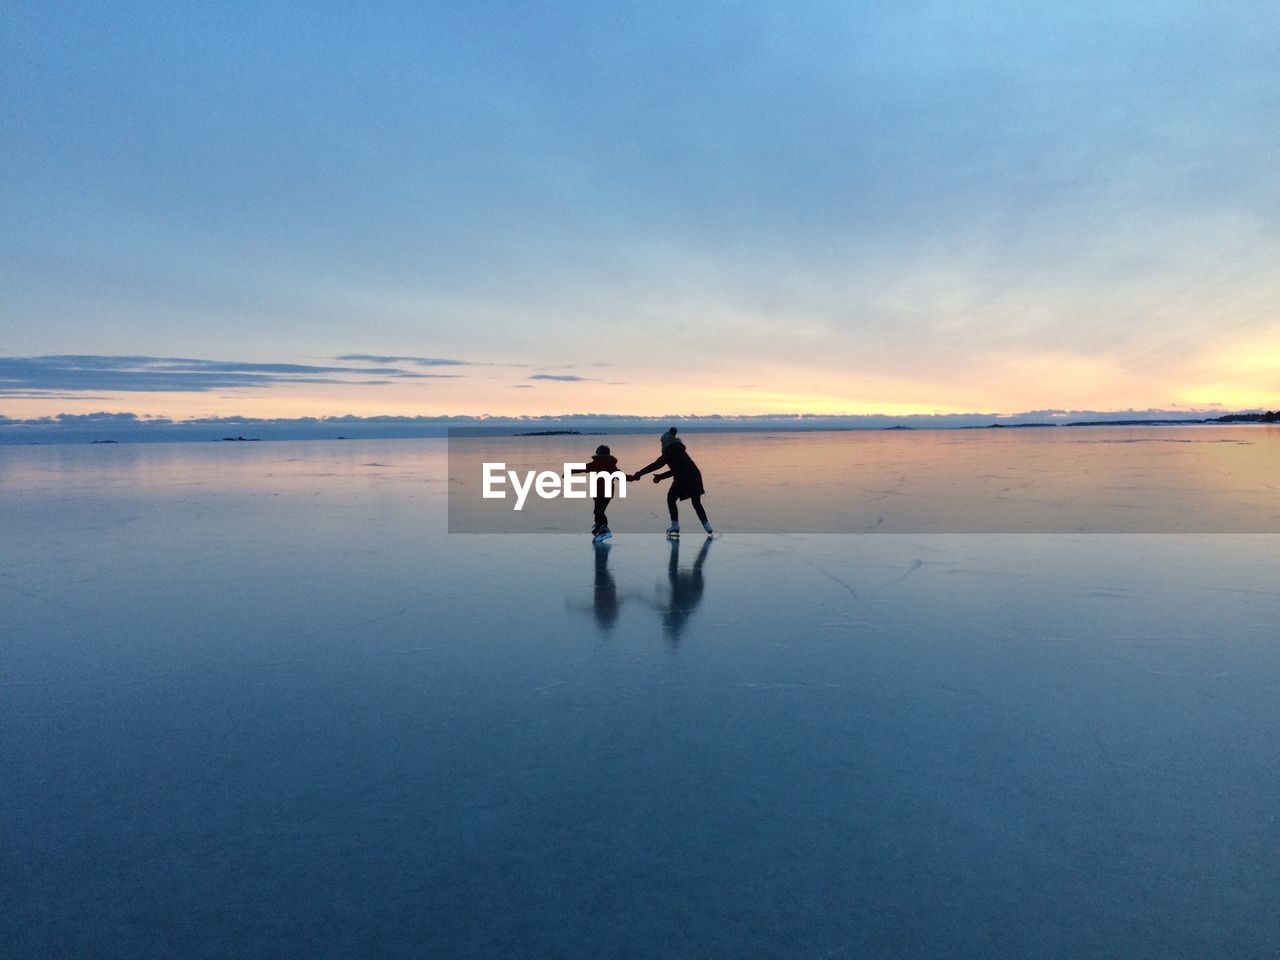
(605, 599)
(673, 601)
(684, 590)
(261, 698)
(605, 602)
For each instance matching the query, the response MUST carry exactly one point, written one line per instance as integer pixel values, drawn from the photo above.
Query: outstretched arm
(660, 462)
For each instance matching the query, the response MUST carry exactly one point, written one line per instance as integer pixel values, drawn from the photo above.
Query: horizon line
(132, 427)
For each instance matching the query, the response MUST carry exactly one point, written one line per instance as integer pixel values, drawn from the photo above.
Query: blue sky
(639, 208)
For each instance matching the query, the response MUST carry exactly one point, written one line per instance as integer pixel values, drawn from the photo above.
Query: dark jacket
(686, 478)
(601, 464)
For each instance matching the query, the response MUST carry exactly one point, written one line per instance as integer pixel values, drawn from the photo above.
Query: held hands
(633, 477)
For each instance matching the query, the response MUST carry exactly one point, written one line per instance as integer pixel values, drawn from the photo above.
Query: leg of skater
(601, 530)
(675, 514)
(702, 514)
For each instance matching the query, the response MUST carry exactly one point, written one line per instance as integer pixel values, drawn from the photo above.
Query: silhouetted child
(602, 462)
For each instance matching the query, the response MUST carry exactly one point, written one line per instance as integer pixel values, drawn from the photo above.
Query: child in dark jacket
(602, 462)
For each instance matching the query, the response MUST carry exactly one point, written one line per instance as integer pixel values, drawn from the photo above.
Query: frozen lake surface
(254, 701)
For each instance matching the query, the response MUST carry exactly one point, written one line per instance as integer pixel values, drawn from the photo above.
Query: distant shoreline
(268, 431)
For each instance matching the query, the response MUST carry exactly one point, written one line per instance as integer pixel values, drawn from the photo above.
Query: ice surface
(255, 702)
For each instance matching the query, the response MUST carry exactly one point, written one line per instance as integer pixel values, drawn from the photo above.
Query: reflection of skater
(686, 480)
(602, 462)
(686, 590)
(605, 602)
(605, 598)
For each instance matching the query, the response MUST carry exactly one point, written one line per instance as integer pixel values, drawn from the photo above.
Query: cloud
(103, 417)
(560, 377)
(71, 374)
(45, 395)
(420, 361)
(446, 362)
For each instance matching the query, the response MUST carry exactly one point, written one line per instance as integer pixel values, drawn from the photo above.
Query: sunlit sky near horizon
(631, 208)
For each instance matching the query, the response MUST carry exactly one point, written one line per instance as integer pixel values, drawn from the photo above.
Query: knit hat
(668, 438)
(602, 451)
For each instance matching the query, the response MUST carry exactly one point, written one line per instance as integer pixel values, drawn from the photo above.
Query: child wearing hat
(602, 462)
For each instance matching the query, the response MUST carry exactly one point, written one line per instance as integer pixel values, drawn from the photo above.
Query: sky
(287, 210)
